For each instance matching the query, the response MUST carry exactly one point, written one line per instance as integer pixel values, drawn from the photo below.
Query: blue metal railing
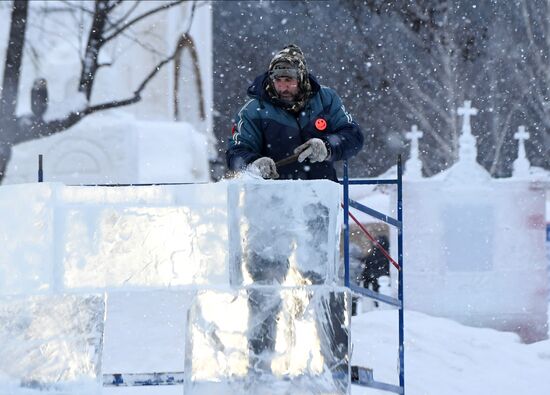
(367, 379)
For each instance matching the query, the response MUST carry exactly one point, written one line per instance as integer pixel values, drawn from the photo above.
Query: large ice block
(52, 343)
(303, 333)
(170, 236)
(285, 224)
(148, 325)
(61, 238)
(27, 234)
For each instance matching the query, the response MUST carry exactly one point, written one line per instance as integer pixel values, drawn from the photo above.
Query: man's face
(286, 87)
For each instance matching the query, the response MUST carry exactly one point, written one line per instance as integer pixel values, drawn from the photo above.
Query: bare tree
(533, 75)
(404, 62)
(497, 55)
(109, 21)
(432, 83)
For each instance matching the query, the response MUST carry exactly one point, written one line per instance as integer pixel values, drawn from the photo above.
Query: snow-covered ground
(446, 358)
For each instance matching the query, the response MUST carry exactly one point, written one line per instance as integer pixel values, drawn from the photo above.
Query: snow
(114, 147)
(445, 357)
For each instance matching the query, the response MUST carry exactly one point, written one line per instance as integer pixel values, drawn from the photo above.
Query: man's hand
(265, 167)
(314, 149)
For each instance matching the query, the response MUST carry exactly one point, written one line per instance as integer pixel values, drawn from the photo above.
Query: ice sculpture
(413, 166)
(290, 226)
(52, 343)
(468, 240)
(264, 251)
(308, 328)
(114, 149)
(287, 329)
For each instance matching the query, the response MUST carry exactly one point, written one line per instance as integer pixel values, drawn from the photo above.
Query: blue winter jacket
(264, 129)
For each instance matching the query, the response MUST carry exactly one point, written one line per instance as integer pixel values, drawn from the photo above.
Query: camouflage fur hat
(290, 62)
(289, 58)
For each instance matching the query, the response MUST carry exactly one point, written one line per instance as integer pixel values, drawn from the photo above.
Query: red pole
(394, 263)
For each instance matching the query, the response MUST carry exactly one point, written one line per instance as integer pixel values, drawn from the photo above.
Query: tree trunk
(95, 42)
(10, 81)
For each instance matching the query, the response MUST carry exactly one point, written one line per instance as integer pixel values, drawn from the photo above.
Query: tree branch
(139, 18)
(76, 7)
(113, 5)
(114, 25)
(94, 45)
(14, 59)
(75, 116)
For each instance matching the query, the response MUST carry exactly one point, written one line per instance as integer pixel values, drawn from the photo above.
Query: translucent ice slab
(59, 238)
(268, 340)
(162, 236)
(287, 227)
(27, 234)
(52, 343)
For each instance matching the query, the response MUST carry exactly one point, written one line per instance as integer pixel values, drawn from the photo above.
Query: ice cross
(521, 165)
(414, 135)
(467, 150)
(467, 111)
(521, 134)
(413, 167)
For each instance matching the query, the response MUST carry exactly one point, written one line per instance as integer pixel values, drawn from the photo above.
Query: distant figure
(376, 265)
(356, 266)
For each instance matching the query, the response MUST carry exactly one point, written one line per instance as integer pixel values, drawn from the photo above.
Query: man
(290, 113)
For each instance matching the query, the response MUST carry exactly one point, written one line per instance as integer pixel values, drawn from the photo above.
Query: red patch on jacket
(320, 124)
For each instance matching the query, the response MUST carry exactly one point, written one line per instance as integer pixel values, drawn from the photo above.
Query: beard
(288, 97)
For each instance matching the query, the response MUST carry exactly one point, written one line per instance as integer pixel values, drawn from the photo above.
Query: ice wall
(167, 242)
(474, 252)
(71, 238)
